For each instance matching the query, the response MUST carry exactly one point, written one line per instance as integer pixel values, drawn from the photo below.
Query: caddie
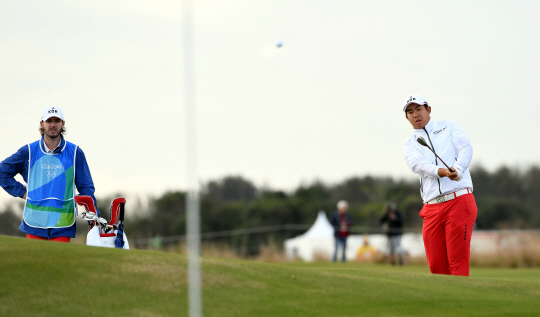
(449, 210)
(52, 169)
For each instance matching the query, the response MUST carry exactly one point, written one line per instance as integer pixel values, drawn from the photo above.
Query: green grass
(39, 278)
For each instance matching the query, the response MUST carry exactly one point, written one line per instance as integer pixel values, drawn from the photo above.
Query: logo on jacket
(51, 166)
(52, 170)
(441, 130)
(51, 174)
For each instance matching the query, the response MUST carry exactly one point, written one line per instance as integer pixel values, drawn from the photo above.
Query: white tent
(316, 242)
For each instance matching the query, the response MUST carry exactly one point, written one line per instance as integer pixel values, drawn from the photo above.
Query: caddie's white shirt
(451, 143)
(49, 151)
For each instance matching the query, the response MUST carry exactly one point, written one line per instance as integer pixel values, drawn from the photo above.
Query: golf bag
(101, 234)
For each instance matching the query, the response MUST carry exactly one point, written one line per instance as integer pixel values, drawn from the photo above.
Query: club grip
(121, 215)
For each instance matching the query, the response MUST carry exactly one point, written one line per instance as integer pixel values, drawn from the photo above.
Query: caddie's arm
(11, 166)
(83, 178)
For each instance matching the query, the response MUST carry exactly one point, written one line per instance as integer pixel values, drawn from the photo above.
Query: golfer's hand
(454, 175)
(444, 172)
(24, 197)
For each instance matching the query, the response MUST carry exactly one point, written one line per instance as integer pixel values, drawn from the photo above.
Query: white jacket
(451, 143)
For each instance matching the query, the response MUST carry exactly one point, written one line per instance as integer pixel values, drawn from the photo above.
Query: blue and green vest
(51, 187)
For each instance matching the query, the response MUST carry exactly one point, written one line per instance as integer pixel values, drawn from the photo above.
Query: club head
(421, 141)
(116, 226)
(89, 216)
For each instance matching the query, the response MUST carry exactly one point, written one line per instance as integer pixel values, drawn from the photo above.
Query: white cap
(342, 204)
(52, 111)
(417, 99)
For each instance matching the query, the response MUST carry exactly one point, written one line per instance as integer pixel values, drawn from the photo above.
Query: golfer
(52, 168)
(449, 210)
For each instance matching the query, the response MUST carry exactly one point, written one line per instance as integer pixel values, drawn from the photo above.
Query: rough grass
(40, 278)
(523, 252)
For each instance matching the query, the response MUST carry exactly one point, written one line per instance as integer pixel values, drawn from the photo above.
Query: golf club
(423, 142)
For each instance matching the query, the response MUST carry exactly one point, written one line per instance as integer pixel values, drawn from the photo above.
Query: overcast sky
(327, 105)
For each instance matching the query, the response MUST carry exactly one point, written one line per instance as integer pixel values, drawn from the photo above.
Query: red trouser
(447, 234)
(57, 239)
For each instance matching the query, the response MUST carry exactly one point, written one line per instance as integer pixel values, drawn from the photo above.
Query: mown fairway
(52, 279)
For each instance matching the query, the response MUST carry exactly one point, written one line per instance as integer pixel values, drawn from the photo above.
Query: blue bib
(51, 187)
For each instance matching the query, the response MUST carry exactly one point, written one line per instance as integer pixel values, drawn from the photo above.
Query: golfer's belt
(447, 197)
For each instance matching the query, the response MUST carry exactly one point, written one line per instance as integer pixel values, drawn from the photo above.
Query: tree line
(507, 198)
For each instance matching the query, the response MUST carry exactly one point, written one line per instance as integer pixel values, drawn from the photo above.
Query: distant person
(52, 168)
(367, 252)
(393, 222)
(341, 220)
(449, 210)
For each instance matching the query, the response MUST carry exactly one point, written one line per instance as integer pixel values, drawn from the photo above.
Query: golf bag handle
(117, 210)
(87, 202)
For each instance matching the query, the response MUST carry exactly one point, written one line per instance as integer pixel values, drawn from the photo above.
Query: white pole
(192, 197)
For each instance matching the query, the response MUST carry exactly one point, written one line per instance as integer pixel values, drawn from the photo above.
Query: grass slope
(40, 278)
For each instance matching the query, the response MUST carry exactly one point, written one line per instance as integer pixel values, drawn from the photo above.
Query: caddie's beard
(58, 134)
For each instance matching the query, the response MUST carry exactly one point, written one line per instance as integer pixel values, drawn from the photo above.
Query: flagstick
(192, 197)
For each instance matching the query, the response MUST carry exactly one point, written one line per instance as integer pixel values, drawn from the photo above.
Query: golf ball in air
(279, 43)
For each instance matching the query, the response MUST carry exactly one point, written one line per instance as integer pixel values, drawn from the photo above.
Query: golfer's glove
(460, 173)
